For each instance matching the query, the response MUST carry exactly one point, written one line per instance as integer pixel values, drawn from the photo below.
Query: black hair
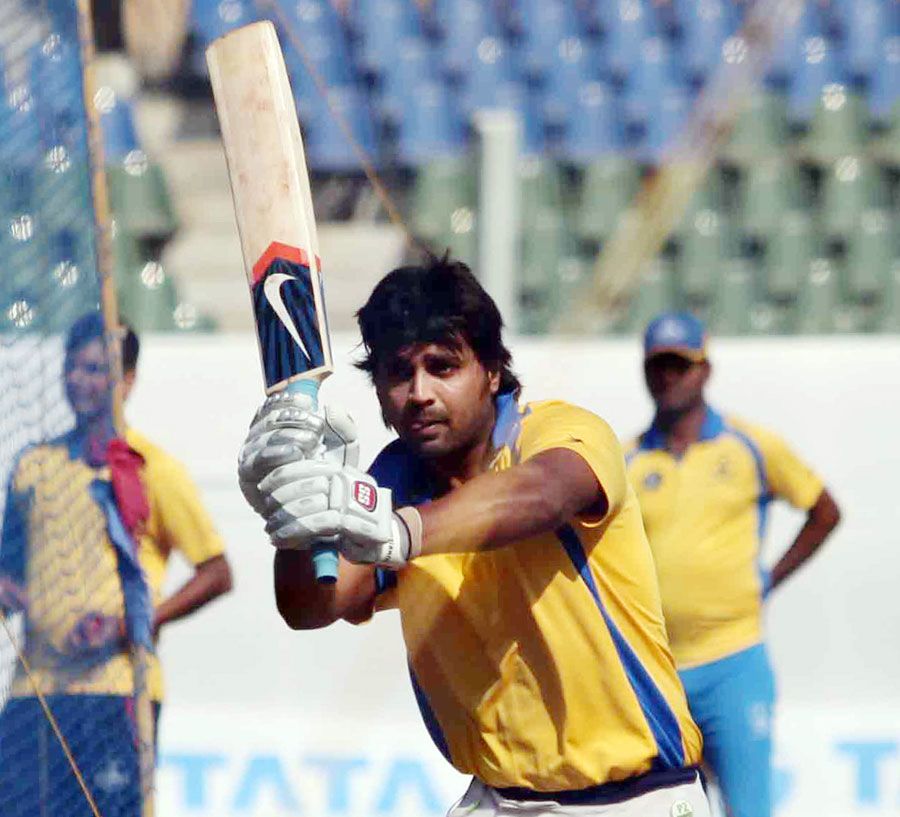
(131, 349)
(87, 328)
(439, 301)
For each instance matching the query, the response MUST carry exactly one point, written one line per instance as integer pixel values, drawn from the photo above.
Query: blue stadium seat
(55, 72)
(539, 27)
(378, 25)
(816, 67)
(431, 128)
(328, 147)
(664, 123)
(863, 24)
(20, 126)
(594, 129)
(330, 61)
(568, 71)
(117, 124)
(490, 81)
(534, 135)
(413, 62)
(463, 24)
(213, 18)
(704, 25)
(627, 23)
(884, 91)
(790, 52)
(654, 70)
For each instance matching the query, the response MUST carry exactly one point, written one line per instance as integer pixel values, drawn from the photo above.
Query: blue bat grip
(324, 557)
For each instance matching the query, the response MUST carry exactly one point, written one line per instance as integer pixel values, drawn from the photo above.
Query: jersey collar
(713, 425)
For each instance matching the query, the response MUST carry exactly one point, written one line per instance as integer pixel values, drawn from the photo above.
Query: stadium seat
(789, 250)
(766, 191)
(734, 299)
(871, 249)
(378, 26)
(319, 60)
(653, 72)
(539, 27)
(704, 25)
(627, 24)
(542, 225)
(328, 146)
(61, 187)
(20, 128)
(708, 196)
(816, 68)
(70, 289)
(608, 185)
(819, 298)
(444, 187)
(704, 248)
(863, 25)
(139, 197)
(490, 81)
(463, 24)
(665, 123)
(117, 124)
(593, 129)
(147, 299)
(890, 317)
(655, 292)
(850, 186)
(55, 76)
(431, 128)
(884, 89)
(838, 125)
(790, 51)
(760, 132)
(413, 62)
(213, 18)
(567, 72)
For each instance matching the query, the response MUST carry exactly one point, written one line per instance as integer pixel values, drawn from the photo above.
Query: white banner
(264, 722)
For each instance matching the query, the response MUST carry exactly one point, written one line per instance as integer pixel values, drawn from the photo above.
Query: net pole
(143, 709)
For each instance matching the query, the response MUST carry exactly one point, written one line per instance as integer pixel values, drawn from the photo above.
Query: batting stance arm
(498, 508)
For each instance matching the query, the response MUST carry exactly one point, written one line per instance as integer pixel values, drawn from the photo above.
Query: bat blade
(272, 203)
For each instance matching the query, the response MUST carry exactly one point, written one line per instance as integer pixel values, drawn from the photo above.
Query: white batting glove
(352, 507)
(288, 428)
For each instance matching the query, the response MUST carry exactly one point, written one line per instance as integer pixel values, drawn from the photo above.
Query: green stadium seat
(442, 188)
(870, 253)
(62, 190)
(851, 185)
(709, 196)
(789, 251)
(654, 294)
(148, 299)
(766, 191)
(139, 198)
(734, 300)
(838, 126)
(760, 132)
(886, 147)
(608, 186)
(890, 317)
(819, 299)
(704, 247)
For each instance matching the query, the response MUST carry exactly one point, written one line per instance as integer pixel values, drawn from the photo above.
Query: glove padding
(307, 501)
(287, 428)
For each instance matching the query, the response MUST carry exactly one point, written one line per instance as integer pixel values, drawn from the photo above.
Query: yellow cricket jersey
(544, 664)
(705, 517)
(55, 542)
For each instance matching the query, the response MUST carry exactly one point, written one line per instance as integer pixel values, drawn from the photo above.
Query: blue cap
(677, 333)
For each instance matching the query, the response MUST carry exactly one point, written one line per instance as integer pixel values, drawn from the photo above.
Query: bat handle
(324, 556)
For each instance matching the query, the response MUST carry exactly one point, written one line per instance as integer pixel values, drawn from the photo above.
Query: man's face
(438, 398)
(675, 383)
(87, 380)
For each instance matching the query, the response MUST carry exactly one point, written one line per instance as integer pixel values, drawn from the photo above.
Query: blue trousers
(732, 701)
(36, 779)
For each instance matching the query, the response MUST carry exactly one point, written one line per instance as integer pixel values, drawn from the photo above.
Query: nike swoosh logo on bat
(272, 291)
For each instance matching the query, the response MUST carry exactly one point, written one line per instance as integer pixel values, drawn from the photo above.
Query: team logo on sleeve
(652, 481)
(365, 495)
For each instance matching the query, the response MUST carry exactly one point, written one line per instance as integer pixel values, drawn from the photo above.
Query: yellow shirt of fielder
(55, 541)
(543, 664)
(705, 517)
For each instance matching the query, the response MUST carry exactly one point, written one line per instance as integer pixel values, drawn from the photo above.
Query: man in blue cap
(704, 482)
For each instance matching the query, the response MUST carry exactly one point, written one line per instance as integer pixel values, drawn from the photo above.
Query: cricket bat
(273, 206)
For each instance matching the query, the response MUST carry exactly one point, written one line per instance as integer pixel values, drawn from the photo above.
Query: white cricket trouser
(686, 800)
